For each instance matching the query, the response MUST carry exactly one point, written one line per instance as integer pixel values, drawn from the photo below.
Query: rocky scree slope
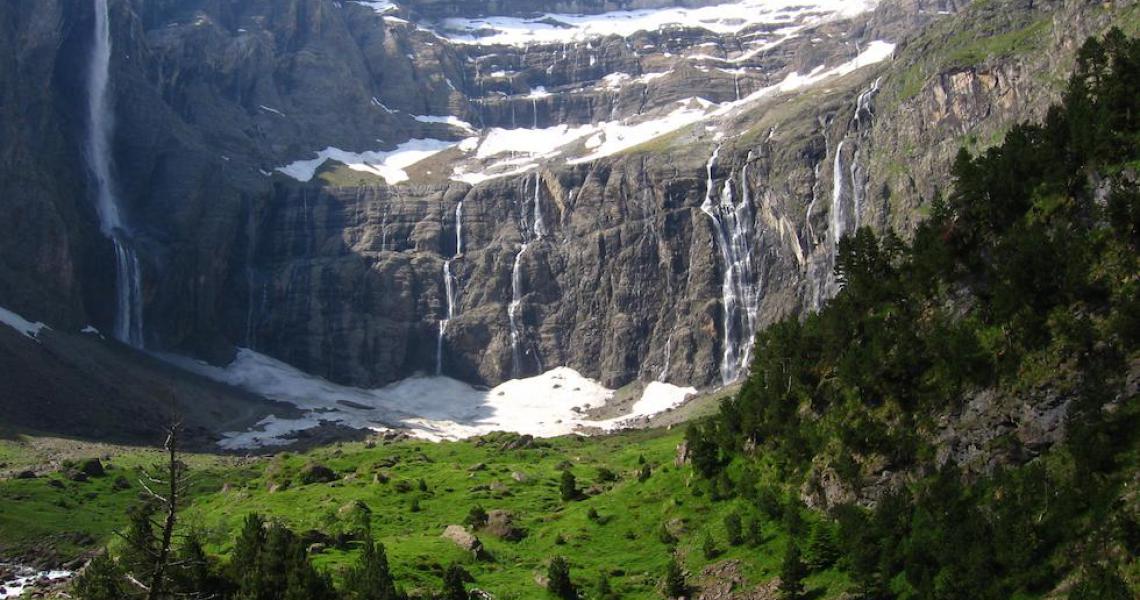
(568, 232)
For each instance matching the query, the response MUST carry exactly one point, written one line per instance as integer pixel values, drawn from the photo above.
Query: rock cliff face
(554, 201)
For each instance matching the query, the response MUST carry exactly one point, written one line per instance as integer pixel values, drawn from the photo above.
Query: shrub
(709, 547)
(476, 517)
(675, 584)
(734, 529)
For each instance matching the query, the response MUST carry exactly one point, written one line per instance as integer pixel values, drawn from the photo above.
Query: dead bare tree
(173, 483)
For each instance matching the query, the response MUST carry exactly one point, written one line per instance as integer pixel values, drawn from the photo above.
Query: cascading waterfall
(449, 285)
(664, 374)
(733, 225)
(539, 224)
(838, 223)
(128, 275)
(539, 232)
(842, 215)
(512, 313)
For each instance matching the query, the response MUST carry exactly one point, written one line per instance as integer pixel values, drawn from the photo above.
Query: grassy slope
(627, 544)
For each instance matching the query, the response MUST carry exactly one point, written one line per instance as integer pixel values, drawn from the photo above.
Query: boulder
(464, 539)
(500, 523)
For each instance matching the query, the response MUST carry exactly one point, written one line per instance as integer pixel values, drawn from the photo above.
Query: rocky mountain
(487, 190)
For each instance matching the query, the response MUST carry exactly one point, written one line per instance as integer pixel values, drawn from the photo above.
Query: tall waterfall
(512, 313)
(838, 222)
(449, 285)
(733, 225)
(539, 231)
(101, 122)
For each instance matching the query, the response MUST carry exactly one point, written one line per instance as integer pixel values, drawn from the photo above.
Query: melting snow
(432, 408)
(728, 18)
(20, 324)
(380, 6)
(526, 147)
(446, 119)
(387, 164)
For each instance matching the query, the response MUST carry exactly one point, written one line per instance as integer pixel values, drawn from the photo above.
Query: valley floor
(414, 490)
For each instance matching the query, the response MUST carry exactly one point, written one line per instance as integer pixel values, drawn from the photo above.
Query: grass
(624, 541)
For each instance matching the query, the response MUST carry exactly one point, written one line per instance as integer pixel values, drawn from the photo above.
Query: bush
(476, 517)
(317, 473)
(644, 474)
(605, 475)
(734, 529)
(754, 532)
(709, 547)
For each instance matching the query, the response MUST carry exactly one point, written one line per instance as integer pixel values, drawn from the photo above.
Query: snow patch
(432, 408)
(447, 120)
(728, 18)
(387, 164)
(380, 6)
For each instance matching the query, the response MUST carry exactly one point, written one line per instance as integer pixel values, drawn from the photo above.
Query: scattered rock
(519, 477)
(500, 523)
(465, 540)
(682, 454)
(477, 467)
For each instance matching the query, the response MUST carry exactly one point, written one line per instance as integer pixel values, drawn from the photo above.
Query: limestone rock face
(343, 275)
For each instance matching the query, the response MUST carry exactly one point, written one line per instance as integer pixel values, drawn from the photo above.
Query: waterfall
(539, 224)
(664, 374)
(512, 313)
(459, 228)
(733, 226)
(101, 121)
(837, 221)
(449, 286)
(539, 232)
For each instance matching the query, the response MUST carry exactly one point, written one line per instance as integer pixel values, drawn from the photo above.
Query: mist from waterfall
(128, 325)
(733, 226)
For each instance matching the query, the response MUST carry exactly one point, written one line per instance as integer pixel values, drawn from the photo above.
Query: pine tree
(246, 555)
(558, 579)
(603, 590)
(675, 585)
(454, 583)
(569, 487)
(370, 578)
(822, 551)
(101, 579)
(792, 574)
(734, 529)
